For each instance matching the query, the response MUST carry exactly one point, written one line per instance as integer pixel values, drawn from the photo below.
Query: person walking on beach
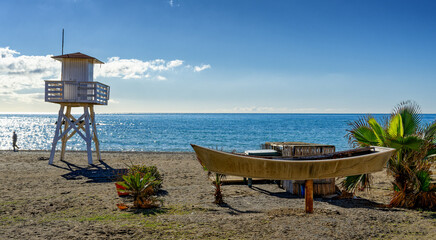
(14, 142)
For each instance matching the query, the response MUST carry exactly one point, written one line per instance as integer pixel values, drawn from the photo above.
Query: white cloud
(113, 101)
(134, 68)
(6, 52)
(174, 63)
(22, 76)
(173, 3)
(201, 68)
(27, 98)
(161, 78)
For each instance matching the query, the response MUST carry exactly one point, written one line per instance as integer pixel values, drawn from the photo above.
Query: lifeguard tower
(76, 89)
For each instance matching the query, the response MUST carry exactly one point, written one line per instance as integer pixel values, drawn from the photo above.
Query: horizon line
(118, 113)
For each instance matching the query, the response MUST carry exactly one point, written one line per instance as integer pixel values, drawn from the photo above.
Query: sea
(174, 132)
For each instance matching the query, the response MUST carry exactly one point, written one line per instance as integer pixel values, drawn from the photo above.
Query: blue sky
(226, 56)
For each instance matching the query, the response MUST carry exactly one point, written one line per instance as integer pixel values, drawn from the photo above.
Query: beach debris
(122, 206)
(121, 189)
(43, 158)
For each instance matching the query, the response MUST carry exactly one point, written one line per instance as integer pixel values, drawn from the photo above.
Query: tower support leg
(57, 133)
(88, 137)
(82, 126)
(94, 131)
(65, 137)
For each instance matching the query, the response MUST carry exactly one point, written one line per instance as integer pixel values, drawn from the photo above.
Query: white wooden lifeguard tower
(76, 89)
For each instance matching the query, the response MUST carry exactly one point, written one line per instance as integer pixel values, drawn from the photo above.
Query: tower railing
(76, 92)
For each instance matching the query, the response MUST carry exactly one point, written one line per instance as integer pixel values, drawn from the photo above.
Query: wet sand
(69, 200)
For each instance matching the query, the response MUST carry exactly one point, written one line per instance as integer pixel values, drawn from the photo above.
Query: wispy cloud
(113, 101)
(268, 109)
(22, 76)
(253, 109)
(21, 73)
(134, 68)
(174, 3)
(161, 78)
(201, 68)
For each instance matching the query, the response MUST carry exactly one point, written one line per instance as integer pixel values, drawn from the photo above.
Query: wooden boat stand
(84, 123)
(308, 196)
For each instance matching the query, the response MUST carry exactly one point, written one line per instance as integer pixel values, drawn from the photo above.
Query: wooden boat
(338, 164)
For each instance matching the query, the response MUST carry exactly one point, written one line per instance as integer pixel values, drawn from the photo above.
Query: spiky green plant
(217, 184)
(152, 170)
(410, 165)
(139, 186)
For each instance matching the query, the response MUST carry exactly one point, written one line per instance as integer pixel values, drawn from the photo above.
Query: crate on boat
(321, 187)
(299, 149)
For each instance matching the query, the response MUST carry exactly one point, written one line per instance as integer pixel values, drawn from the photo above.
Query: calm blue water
(174, 132)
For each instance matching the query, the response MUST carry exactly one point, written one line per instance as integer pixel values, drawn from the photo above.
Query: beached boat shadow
(344, 203)
(280, 194)
(95, 173)
(358, 203)
(430, 216)
(234, 211)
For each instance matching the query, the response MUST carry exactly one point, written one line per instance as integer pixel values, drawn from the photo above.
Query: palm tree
(410, 165)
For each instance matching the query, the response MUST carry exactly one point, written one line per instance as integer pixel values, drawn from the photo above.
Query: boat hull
(280, 169)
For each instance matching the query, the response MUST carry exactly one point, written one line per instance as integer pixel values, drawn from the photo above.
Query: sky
(186, 56)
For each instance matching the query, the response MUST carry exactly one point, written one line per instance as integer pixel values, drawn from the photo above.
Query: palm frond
(356, 182)
(395, 128)
(424, 180)
(411, 115)
(365, 136)
(431, 154)
(429, 132)
(359, 128)
(406, 143)
(378, 131)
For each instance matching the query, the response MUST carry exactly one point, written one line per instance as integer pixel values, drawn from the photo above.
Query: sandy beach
(68, 200)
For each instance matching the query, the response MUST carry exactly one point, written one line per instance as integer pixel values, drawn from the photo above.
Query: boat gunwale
(378, 151)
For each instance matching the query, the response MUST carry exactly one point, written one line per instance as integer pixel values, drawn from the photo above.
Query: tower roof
(77, 55)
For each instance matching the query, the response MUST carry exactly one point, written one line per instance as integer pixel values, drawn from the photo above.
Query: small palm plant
(152, 170)
(140, 187)
(410, 165)
(217, 183)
